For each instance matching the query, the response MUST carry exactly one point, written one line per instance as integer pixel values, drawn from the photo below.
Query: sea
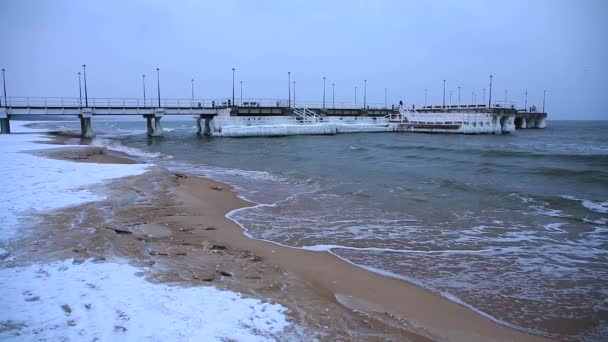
(513, 226)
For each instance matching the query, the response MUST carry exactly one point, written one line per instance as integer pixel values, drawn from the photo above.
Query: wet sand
(175, 226)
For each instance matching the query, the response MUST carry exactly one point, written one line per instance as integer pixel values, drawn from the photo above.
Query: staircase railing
(305, 115)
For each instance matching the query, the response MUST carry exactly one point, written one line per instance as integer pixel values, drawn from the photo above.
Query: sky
(403, 46)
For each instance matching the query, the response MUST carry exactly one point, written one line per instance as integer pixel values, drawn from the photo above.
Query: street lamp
(233, 86)
(79, 91)
(425, 96)
(289, 88)
(323, 92)
(385, 98)
(450, 98)
(241, 93)
(490, 95)
(459, 96)
(544, 97)
(294, 94)
(484, 96)
(364, 94)
(143, 81)
(443, 104)
(86, 96)
(4, 86)
(505, 97)
(526, 102)
(158, 85)
(333, 94)
(192, 83)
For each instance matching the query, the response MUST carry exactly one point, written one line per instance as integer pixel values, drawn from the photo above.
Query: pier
(255, 117)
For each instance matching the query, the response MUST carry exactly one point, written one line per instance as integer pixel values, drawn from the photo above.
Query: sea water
(514, 226)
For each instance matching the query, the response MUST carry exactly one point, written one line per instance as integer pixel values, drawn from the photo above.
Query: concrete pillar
(208, 126)
(507, 124)
(156, 130)
(149, 125)
(524, 123)
(541, 123)
(5, 123)
(199, 129)
(86, 129)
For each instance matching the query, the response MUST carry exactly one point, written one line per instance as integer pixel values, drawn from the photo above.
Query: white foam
(112, 145)
(597, 206)
(108, 301)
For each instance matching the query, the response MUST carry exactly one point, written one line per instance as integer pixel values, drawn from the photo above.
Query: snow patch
(31, 182)
(109, 301)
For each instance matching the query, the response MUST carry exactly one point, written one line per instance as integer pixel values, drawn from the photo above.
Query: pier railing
(75, 102)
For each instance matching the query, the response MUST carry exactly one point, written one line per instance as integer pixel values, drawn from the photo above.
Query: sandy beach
(175, 226)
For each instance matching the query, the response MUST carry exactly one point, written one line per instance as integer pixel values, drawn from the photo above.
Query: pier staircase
(305, 115)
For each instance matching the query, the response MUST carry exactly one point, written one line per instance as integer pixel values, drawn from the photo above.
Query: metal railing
(95, 102)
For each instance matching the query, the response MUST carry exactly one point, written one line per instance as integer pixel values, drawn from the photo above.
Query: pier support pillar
(541, 123)
(199, 128)
(523, 124)
(206, 130)
(5, 123)
(86, 128)
(155, 130)
(208, 126)
(507, 124)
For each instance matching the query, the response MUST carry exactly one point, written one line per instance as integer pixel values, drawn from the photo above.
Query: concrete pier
(155, 130)
(206, 129)
(86, 129)
(5, 124)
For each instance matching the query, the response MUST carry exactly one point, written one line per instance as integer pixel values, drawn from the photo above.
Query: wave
(600, 158)
(597, 206)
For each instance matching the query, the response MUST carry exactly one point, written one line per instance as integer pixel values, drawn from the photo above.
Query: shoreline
(357, 296)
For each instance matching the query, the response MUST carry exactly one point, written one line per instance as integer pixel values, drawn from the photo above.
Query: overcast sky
(405, 46)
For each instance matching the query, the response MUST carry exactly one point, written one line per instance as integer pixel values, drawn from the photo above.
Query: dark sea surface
(514, 226)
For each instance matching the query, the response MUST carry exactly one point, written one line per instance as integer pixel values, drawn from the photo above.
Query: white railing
(305, 115)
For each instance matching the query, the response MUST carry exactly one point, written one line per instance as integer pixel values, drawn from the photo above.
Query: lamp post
(364, 94)
(385, 98)
(294, 94)
(450, 104)
(490, 95)
(143, 81)
(158, 85)
(443, 104)
(241, 93)
(323, 92)
(484, 95)
(192, 89)
(355, 96)
(233, 86)
(425, 97)
(544, 97)
(86, 96)
(526, 102)
(459, 96)
(333, 95)
(505, 97)
(79, 91)
(289, 88)
(4, 83)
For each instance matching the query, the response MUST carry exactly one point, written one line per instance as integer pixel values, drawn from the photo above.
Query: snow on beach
(36, 183)
(101, 301)
(108, 301)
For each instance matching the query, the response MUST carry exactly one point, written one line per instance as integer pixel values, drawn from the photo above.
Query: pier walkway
(261, 111)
